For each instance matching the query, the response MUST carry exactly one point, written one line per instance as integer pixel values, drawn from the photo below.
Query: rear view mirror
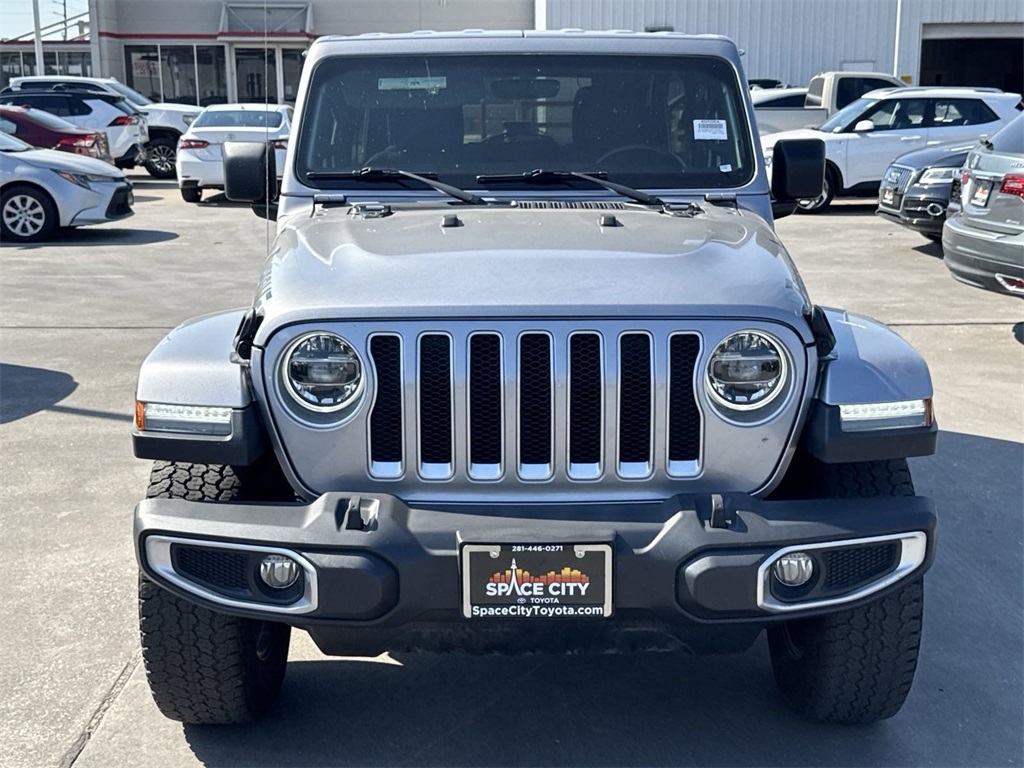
(250, 174)
(798, 169)
(863, 126)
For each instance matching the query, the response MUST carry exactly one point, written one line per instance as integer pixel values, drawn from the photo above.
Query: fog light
(278, 571)
(794, 569)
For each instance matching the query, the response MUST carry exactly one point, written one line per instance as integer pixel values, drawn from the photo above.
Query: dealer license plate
(536, 581)
(981, 192)
(888, 196)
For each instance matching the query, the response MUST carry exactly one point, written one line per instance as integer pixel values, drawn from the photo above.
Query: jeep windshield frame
(650, 121)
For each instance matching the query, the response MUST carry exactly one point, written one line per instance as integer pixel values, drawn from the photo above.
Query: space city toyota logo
(568, 582)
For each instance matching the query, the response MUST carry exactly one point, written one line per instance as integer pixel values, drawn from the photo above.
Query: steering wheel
(662, 154)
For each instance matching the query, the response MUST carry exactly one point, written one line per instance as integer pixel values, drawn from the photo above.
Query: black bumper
(388, 576)
(912, 211)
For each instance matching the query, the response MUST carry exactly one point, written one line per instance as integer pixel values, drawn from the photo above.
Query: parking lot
(79, 315)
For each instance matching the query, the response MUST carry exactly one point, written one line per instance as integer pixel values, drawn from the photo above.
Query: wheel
(27, 214)
(191, 194)
(857, 665)
(828, 191)
(206, 667)
(160, 154)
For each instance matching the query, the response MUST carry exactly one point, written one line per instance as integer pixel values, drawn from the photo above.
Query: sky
(16, 15)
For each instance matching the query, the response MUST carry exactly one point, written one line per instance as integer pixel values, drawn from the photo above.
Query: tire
(206, 667)
(160, 154)
(27, 215)
(856, 665)
(191, 194)
(828, 193)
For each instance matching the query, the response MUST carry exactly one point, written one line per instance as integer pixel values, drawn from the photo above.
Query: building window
(178, 74)
(142, 70)
(247, 18)
(211, 68)
(10, 67)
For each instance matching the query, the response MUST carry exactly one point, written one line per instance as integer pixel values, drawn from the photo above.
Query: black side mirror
(798, 170)
(250, 175)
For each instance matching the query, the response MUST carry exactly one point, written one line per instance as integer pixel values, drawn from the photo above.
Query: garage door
(973, 54)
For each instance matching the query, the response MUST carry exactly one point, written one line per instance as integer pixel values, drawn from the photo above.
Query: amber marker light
(140, 416)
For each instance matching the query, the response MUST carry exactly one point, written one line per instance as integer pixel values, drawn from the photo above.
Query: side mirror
(250, 175)
(863, 126)
(798, 170)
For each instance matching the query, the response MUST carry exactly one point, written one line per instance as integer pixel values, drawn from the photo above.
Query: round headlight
(323, 372)
(746, 371)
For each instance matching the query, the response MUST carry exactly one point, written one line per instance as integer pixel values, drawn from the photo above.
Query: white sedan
(199, 160)
(44, 189)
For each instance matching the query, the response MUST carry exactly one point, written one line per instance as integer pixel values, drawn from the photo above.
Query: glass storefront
(256, 74)
(180, 74)
(23, 63)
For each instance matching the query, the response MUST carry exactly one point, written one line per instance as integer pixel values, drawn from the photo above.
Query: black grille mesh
(634, 398)
(485, 398)
(222, 568)
(435, 399)
(683, 416)
(850, 567)
(585, 398)
(386, 417)
(535, 398)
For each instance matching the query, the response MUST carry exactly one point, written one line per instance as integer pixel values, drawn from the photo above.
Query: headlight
(83, 179)
(746, 371)
(937, 176)
(322, 372)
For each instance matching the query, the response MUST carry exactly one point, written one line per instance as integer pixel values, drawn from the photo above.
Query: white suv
(863, 138)
(167, 122)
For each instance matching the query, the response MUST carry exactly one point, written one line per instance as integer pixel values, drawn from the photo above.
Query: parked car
(495, 394)
(124, 126)
(757, 83)
(863, 139)
(46, 131)
(42, 189)
(166, 122)
(826, 94)
(917, 187)
(199, 161)
(983, 243)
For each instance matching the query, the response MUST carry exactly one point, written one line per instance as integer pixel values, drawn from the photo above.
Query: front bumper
(108, 202)
(378, 572)
(922, 209)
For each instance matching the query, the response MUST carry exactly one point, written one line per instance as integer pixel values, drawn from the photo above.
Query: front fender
(193, 366)
(870, 363)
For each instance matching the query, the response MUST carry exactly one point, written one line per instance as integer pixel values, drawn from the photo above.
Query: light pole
(38, 39)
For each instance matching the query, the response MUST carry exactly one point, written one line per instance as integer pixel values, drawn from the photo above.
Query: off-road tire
(160, 154)
(857, 665)
(206, 667)
(192, 194)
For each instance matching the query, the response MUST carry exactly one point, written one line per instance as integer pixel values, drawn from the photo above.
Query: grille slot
(435, 406)
(592, 205)
(635, 396)
(585, 406)
(535, 406)
(386, 417)
(684, 418)
(219, 568)
(848, 568)
(485, 410)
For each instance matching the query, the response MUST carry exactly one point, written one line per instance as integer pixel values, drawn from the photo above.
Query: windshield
(10, 144)
(131, 94)
(842, 118)
(648, 121)
(238, 118)
(1010, 138)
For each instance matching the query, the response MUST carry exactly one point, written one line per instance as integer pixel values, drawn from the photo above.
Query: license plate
(536, 581)
(888, 196)
(981, 192)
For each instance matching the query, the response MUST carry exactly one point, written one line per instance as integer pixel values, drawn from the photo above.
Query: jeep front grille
(485, 405)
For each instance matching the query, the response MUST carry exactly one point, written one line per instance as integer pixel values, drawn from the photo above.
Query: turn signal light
(1013, 184)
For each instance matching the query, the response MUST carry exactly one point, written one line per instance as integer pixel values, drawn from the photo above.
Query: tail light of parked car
(1013, 184)
(193, 144)
(123, 120)
(82, 145)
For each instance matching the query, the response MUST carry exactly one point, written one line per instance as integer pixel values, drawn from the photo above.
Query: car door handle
(910, 138)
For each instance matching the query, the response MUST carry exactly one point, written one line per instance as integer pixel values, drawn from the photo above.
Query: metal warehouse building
(209, 51)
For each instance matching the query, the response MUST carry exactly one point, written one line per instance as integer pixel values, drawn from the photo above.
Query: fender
(194, 365)
(869, 363)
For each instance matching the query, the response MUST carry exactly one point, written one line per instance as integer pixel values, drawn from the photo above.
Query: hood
(181, 109)
(70, 162)
(769, 139)
(943, 156)
(525, 262)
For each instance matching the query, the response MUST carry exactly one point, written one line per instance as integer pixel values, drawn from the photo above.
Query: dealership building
(210, 51)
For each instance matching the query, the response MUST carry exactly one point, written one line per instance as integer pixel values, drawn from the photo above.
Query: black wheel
(206, 667)
(857, 665)
(191, 194)
(824, 200)
(27, 214)
(160, 154)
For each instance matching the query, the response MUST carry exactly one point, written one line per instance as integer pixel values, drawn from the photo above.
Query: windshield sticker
(412, 83)
(710, 130)
(727, 168)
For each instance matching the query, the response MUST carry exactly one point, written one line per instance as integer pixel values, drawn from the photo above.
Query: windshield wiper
(390, 174)
(545, 176)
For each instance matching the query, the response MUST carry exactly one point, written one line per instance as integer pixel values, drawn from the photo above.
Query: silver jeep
(528, 369)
